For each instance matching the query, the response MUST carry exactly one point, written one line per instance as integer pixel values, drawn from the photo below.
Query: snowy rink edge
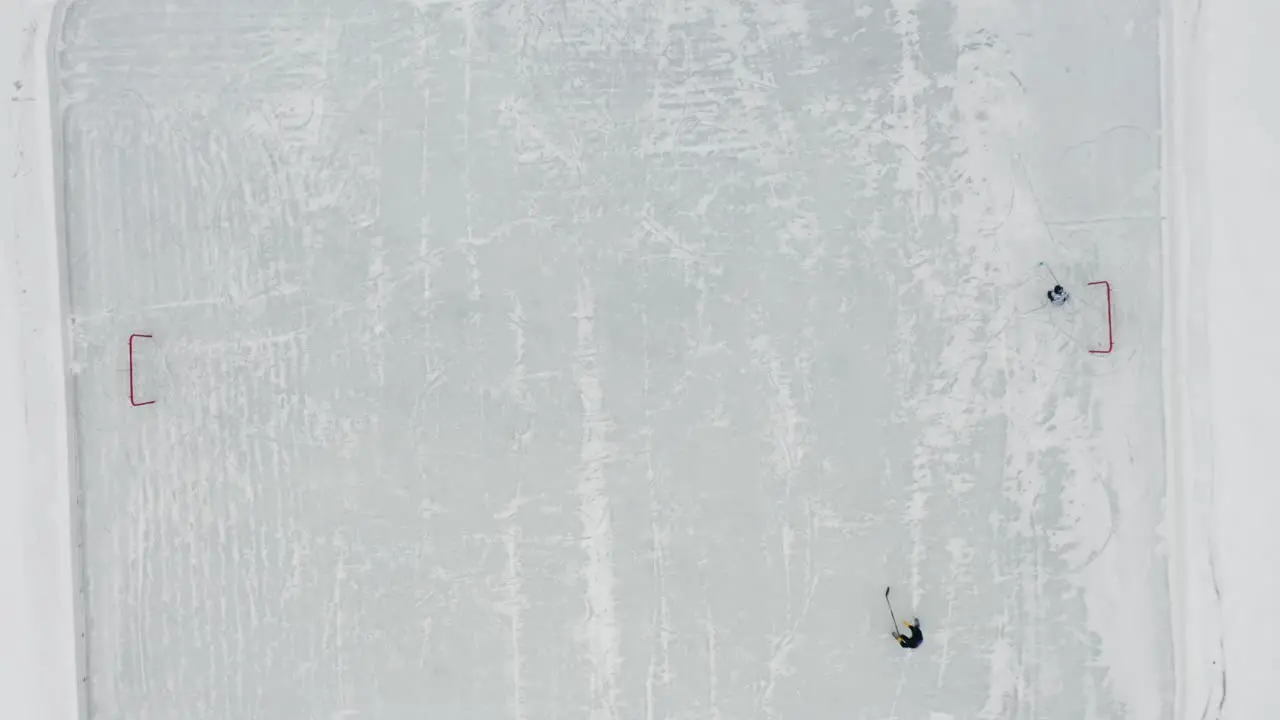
(1193, 602)
(41, 669)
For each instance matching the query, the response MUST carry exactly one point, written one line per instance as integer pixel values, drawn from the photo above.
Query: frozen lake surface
(536, 360)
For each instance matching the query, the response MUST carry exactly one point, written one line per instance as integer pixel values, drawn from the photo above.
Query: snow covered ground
(606, 361)
(1223, 120)
(39, 615)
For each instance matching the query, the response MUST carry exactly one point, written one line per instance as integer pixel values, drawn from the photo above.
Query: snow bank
(1222, 176)
(1194, 597)
(40, 675)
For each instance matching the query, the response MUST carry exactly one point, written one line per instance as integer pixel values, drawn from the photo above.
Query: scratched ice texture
(535, 359)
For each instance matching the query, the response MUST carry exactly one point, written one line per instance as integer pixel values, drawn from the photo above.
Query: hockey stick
(1051, 273)
(891, 615)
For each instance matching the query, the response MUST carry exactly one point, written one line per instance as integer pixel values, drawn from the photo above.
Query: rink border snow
(1188, 451)
(42, 675)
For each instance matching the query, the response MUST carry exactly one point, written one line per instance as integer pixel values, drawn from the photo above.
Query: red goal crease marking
(133, 400)
(1111, 338)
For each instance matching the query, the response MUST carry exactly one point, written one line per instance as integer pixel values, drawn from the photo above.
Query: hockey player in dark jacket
(913, 640)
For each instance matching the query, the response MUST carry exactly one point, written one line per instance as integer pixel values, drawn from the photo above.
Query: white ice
(607, 361)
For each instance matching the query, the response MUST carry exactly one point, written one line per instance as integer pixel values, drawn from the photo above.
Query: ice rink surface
(578, 360)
